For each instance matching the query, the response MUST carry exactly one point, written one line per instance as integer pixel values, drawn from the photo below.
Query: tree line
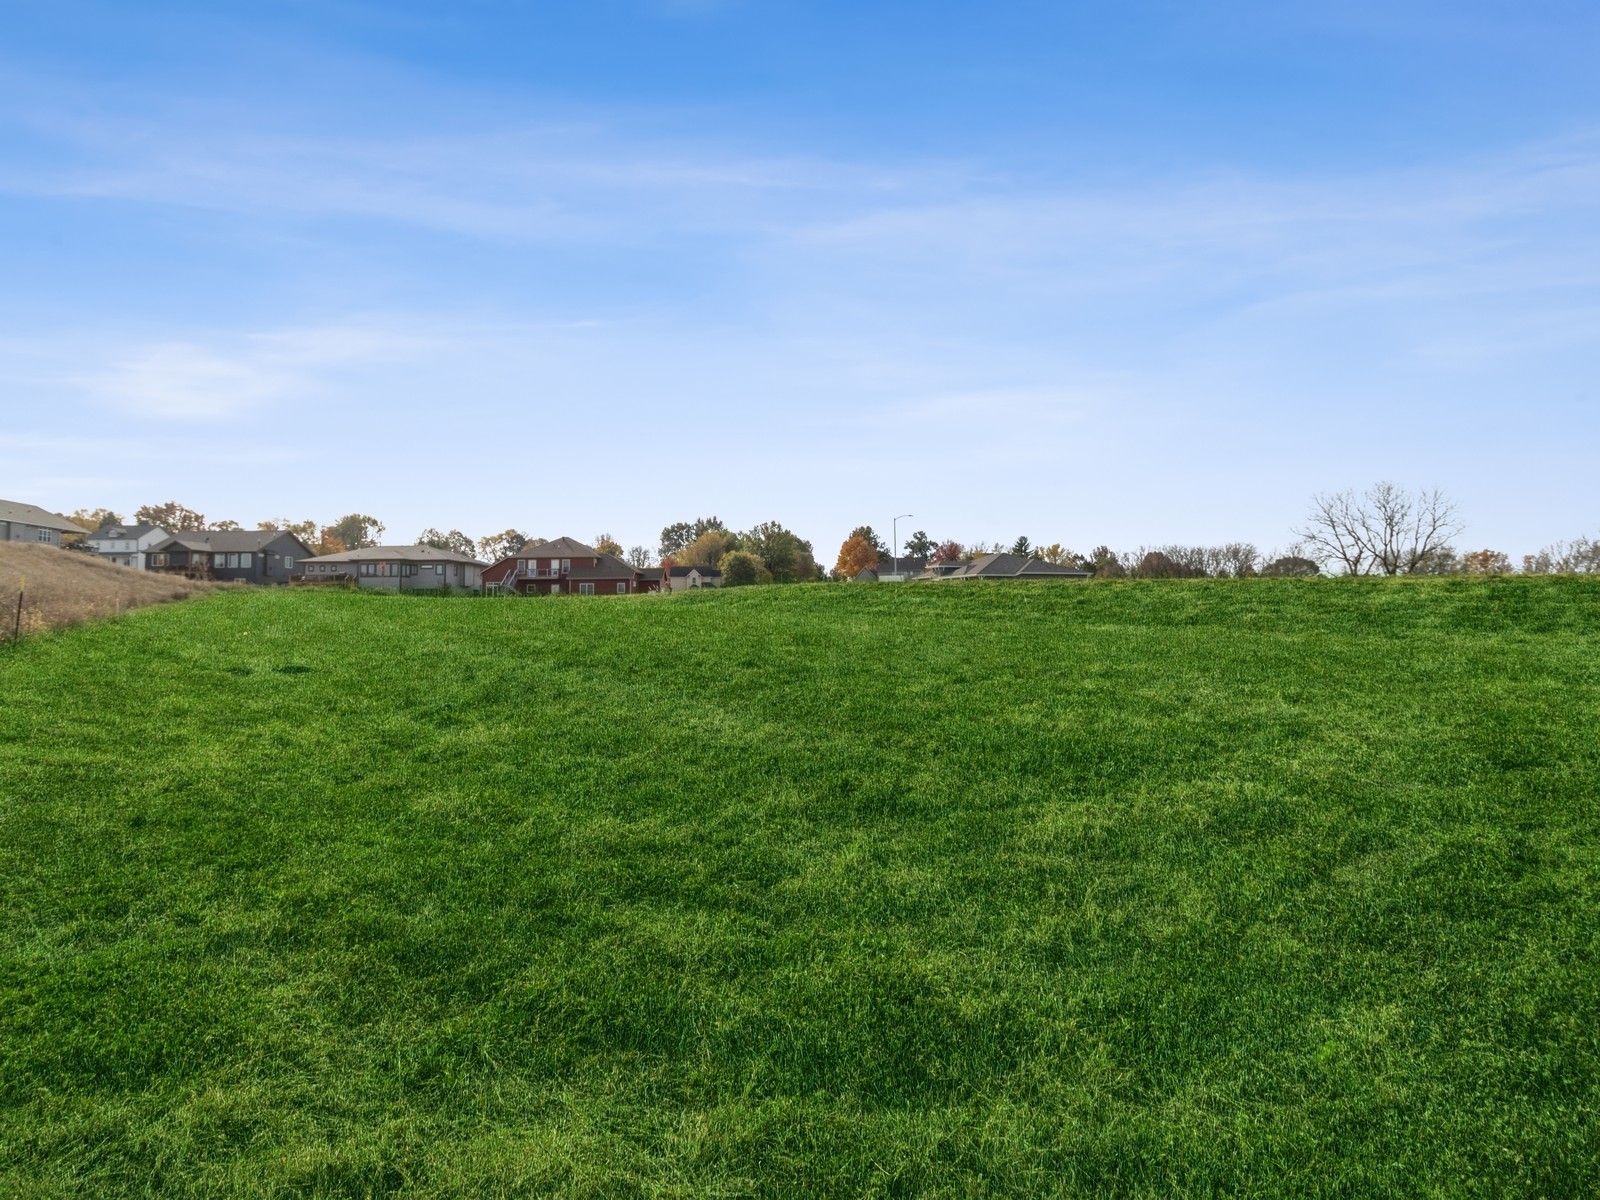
(1385, 530)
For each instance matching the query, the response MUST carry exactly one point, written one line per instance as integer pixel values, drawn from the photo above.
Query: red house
(568, 567)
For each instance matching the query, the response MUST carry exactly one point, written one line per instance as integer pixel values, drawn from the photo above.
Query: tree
(1291, 566)
(1385, 531)
(949, 552)
(741, 567)
(1486, 562)
(356, 531)
(707, 549)
(502, 545)
(607, 544)
(93, 518)
(872, 539)
(675, 538)
(1106, 563)
(1579, 557)
(1022, 547)
(920, 545)
(639, 557)
(1056, 553)
(856, 555)
(170, 516)
(226, 526)
(455, 540)
(329, 542)
(1157, 564)
(786, 555)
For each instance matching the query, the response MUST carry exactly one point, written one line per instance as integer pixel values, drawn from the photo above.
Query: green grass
(1264, 888)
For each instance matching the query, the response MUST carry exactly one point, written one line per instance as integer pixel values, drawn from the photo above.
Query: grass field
(1251, 888)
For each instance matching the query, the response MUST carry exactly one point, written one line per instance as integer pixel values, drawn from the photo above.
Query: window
(369, 568)
(438, 568)
(288, 562)
(158, 559)
(246, 559)
(586, 589)
(47, 535)
(566, 565)
(622, 589)
(409, 569)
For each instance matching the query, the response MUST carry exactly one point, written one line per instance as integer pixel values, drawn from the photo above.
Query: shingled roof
(400, 554)
(20, 513)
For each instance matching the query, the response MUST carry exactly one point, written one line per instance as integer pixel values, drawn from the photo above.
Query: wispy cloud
(191, 381)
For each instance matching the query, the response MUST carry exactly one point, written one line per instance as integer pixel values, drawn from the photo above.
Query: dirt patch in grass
(67, 588)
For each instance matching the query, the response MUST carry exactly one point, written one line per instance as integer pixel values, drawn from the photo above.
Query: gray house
(21, 522)
(240, 555)
(1004, 566)
(127, 545)
(397, 568)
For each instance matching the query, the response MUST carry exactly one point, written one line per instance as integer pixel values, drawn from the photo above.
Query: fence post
(16, 626)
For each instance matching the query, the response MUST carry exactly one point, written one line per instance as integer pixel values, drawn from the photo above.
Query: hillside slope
(1248, 888)
(66, 588)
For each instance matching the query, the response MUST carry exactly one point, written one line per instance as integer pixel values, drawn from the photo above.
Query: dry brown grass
(67, 588)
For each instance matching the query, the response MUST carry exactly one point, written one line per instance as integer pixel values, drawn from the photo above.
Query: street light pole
(897, 520)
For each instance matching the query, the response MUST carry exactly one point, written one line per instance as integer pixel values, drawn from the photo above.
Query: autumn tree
(872, 539)
(171, 516)
(949, 552)
(607, 544)
(356, 531)
(1385, 531)
(707, 549)
(455, 541)
(92, 519)
(1486, 562)
(742, 567)
(855, 555)
(502, 545)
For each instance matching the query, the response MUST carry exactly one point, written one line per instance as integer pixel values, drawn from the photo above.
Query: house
(683, 579)
(898, 568)
(126, 545)
(21, 522)
(565, 566)
(240, 555)
(1004, 566)
(396, 568)
(893, 570)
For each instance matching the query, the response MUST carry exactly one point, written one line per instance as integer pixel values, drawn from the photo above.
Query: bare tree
(1386, 531)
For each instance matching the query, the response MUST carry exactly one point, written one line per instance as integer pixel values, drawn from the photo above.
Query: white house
(683, 579)
(127, 545)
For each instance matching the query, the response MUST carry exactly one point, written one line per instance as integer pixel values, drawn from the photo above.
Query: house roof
(32, 514)
(228, 540)
(561, 547)
(678, 572)
(123, 531)
(403, 554)
(1014, 566)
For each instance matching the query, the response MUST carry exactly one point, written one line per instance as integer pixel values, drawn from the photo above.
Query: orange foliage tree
(855, 555)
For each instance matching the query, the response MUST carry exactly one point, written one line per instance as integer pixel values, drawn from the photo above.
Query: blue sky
(1120, 272)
